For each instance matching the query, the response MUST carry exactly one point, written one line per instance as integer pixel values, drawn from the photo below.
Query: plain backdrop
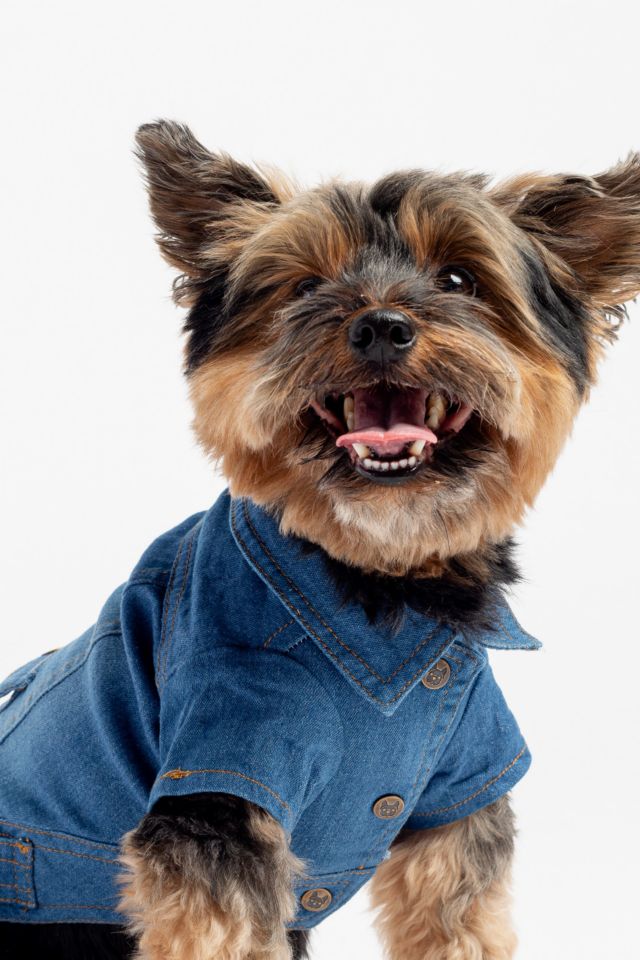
(97, 453)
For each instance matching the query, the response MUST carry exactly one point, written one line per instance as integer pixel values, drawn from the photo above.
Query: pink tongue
(389, 441)
(387, 419)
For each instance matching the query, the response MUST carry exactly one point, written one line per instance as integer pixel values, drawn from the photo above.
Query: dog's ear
(197, 197)
(591, 223)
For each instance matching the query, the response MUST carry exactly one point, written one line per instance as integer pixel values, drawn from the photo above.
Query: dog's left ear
(200, 201)
(591, 223)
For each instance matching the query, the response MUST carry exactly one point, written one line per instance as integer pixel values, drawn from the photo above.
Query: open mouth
(390, 432)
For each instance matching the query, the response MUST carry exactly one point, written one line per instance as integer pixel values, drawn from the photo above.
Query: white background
(96, 449)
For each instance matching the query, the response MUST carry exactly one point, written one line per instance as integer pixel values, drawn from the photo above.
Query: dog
(291, 695)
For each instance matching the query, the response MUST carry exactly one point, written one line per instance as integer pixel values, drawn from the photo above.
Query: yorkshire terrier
(291, 693)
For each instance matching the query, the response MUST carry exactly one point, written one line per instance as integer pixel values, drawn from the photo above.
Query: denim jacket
(227, 663)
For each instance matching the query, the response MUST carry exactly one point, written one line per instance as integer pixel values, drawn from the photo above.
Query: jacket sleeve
(252, 723)
(484, 759)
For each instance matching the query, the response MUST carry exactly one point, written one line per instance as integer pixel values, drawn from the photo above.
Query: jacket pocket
(24, 687)
(19, 680)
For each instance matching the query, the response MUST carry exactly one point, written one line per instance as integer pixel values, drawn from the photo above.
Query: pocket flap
(21, 677)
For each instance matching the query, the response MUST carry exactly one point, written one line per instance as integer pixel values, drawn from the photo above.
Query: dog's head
(395, 367)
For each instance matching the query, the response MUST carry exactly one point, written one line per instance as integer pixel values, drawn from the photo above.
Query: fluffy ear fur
(591, 223)
(196, 198)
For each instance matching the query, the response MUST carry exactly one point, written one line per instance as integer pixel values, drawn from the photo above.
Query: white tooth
(403, 463)
(394, 464)
(362, 450)
(417, 447)
(437, 410)
(384, 465)
(367, 463)
(412, 461)
(348, 412)
(375, 464)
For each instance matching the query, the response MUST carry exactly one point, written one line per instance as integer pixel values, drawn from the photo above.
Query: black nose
(381, 335)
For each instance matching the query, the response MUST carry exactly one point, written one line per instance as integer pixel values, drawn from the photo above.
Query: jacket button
(437, 676)
(387, 808)
(316, 900)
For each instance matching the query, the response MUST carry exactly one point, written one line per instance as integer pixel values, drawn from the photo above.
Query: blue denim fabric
(226, 663)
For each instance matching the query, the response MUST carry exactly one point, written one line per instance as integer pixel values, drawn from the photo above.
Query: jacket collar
(380, 664)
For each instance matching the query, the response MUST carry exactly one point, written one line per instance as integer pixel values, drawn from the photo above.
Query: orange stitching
(76, 906)
(15, 886)
(323, 878)
(420, 771)
(486, 786)
(507, 634)
(187, 567)
(275, 633)
(51, 833)
(165, 612)
(424, 766)
(319, 616)
(179, 774)
(15, 900)
(169, 638)
(291, 606)
(305, 882)
(84, 856)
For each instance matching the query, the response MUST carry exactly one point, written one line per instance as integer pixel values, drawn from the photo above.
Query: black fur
(373, 230)
(211, 833)
(460, 597)
(205, 320)
(564, 319)
(299, 941)
(385, 196)
(218, 821)
(88, 941)
(213, 830)
(64, 941)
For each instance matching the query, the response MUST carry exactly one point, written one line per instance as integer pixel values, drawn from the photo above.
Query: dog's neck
(460, 591)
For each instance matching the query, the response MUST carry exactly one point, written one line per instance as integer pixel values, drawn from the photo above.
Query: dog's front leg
(209, 878)
(443, 894)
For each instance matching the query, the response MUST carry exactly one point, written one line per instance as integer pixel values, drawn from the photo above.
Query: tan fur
(435, 900)
(244, 240)
(249, 420)
(251, 394)
(171, 909)
(249, 398)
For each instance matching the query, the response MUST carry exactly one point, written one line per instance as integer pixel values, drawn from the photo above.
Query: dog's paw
(214, 887)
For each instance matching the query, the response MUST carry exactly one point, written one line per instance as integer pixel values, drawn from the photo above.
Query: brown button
(437, 676)
(316, 900)
(386, 808)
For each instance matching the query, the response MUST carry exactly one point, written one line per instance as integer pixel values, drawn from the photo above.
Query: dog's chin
(389, 434)
(393, 477)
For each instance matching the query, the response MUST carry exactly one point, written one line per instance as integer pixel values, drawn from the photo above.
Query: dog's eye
(456, 280)
(307, 286)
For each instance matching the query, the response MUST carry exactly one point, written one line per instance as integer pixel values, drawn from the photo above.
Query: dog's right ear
(203, 203)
